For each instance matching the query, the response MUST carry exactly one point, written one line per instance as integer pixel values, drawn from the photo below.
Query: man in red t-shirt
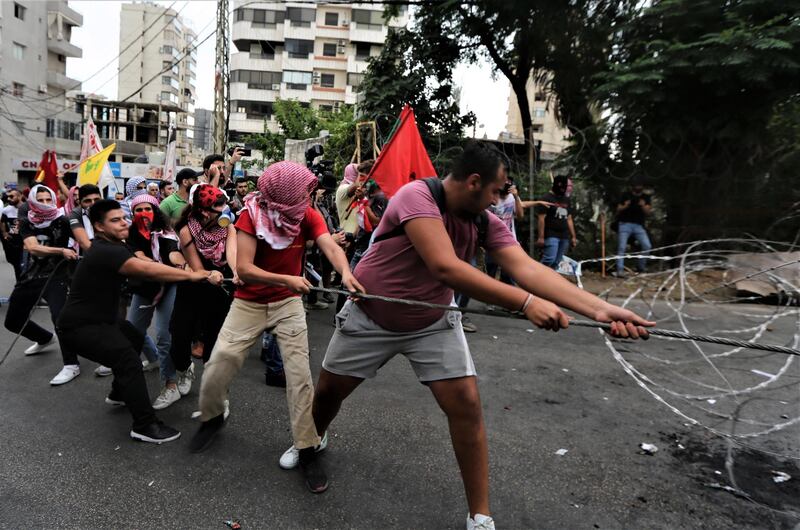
(272, 232)
(422, 253)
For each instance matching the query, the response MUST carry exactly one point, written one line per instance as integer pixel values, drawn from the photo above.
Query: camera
(322, 168)
(508, 185)
(246, 151)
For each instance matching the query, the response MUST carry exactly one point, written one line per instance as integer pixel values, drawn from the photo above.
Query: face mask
(142, 221)
(225, 218)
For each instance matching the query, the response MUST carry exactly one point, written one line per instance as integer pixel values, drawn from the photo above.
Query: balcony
(70, 16)
(304, 64)
(245, 92)
(300, 32)
(244, 61)
(357, 65)
(63, 47)
(333, 32)
(245, 29)
(371, 33)
(57, 79)
(329, 94)
(293, 93)
(330, 63)
(239, 122)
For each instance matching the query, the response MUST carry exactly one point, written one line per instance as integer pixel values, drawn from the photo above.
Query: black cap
(185, 173)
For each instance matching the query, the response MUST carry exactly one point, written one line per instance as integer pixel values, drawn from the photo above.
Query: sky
(99, 40)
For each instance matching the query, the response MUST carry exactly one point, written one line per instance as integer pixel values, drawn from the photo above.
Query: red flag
(47, 172)
(403, 158)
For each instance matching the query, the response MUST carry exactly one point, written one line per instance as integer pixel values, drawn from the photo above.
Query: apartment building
(315, 54)
(546, 128)
(159, 39)
(34, 113)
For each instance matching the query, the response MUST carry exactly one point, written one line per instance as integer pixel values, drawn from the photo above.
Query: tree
(691, 93)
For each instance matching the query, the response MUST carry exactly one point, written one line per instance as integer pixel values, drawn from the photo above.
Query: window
(19, 11)
(331, 19)
(255, 110)
(18, 51)
(329, 49)
(63, 129)
(326, 108)
(299, 49)
(537, 128)
(301, 16)
(259, 17)
(368, 19)
(17, 89)
(327, 80)
(539, 96)
(170, 81)
(256, 78)
(169, 97)
(62, 58)
(539, 113)
(354, 80)
(296, 80)
(363, 50)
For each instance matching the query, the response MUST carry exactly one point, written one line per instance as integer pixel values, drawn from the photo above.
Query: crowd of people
(218, 266)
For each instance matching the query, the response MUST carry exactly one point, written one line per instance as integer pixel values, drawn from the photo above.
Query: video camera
(323, 169)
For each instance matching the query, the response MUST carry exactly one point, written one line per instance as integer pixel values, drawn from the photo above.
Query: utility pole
(221, 78)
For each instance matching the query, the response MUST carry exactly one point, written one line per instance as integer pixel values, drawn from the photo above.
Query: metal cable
(574, 322)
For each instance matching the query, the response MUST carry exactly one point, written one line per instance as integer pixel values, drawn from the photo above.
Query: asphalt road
(66, 460)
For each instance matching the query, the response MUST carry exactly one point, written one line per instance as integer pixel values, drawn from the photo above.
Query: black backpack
(437, 191)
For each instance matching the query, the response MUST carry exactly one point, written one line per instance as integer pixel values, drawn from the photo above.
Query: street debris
(233, 524)
(780, 476)
(151, 483)
(648, 449)
(562, 452)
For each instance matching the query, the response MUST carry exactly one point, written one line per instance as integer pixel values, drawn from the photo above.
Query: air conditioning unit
(43, 89)
(342, 42)
(276, 86)
(345, 24)
(315, 78)
(337, 105)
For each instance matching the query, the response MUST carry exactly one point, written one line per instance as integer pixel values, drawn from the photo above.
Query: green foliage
(299, 122)
(693, 88)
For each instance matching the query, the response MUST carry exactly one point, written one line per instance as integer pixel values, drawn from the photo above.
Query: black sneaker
(205, 435)
(313, 472)
(275, 379)
(155, 433)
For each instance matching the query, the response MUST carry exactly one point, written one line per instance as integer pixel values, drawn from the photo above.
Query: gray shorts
(359, 347)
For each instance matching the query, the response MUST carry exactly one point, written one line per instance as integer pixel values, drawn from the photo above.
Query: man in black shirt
(89, 322)
(632, 210)
(46, 265)
(555, 226)
(82, 231)
(9, 227)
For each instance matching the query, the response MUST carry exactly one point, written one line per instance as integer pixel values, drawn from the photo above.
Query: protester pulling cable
(273, 229)
(151, 239)
(45, 237)
(429, 233)
(89, 322)
(208, 242)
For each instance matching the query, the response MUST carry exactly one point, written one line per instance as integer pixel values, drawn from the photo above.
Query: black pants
(13, 252)
(197, 306)
(116, 346)
(21, 303)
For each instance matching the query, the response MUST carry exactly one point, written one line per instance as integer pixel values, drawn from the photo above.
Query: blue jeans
(271, 354)
(626, 230)
(141, 318)
(554, 249)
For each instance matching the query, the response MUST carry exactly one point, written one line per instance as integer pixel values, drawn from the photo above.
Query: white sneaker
(291, 457)
(167, 397)
(480, 522)
(67, 374)
(35, 348)
(149, 366)
(185, 380)
(102, 371)
(196, 414)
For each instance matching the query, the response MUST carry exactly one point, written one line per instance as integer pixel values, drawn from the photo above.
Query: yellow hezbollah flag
(90, 170)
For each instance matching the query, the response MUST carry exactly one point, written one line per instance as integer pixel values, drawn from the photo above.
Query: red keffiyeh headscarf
(210, 240)
(280, 204)
(41, 215)
(72, 198)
